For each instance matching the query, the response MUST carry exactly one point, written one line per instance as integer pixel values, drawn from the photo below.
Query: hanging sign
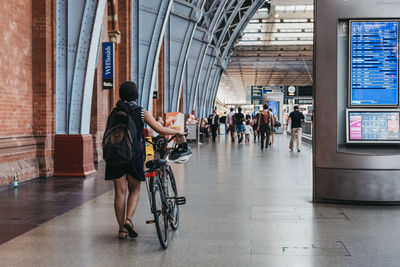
(108, 65)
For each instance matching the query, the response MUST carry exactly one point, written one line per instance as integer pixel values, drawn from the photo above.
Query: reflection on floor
(35, 202)
(245, 207)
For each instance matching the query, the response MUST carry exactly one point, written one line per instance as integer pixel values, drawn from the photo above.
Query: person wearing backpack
(265, 120)
(239, 119)
(124, 156)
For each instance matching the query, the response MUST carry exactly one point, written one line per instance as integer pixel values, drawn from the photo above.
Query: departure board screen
(373, 126)
(374, 66)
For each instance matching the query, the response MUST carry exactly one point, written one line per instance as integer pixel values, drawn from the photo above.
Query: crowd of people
(260, 126)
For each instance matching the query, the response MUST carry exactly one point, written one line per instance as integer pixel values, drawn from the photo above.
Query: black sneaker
(180, 154)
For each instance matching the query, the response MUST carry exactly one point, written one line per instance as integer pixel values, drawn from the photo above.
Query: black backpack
(121, 142)
(238, 118)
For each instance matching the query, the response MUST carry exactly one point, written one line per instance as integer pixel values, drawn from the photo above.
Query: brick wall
(18, 146)
(43, 86)
(27, 91)
(16, 68)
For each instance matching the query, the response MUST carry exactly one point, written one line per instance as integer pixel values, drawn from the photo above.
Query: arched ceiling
(276, 48)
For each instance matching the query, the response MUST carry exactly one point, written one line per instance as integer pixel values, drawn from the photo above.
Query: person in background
(248, 117)
(273, 130)
(255, 125)
(247, 131)
(265, 119)
(222, 119)
(230, 122)
(239, 119)
(204, 128)
(296, 117)
(160, 121)
(214, 123)
(192, 118)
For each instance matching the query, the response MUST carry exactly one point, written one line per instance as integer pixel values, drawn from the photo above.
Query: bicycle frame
(152, 177)
(157, 179)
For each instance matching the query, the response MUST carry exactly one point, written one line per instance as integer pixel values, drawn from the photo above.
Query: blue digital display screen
(274, 105)
(374, 63)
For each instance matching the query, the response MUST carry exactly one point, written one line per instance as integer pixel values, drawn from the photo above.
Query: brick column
(158, 104)
(43, 49)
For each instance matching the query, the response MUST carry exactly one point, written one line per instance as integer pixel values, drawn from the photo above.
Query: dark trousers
(265, 130)
(214, 129)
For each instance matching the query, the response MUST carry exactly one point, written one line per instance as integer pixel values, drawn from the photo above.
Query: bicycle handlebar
(168, 141)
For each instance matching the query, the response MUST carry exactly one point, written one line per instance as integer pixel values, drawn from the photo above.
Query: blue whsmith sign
(108, 65)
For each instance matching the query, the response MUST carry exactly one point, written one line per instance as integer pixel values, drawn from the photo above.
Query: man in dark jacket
(214, 123)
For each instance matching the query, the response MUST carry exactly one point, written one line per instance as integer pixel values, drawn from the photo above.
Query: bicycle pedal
(150, 222)
(180, 200)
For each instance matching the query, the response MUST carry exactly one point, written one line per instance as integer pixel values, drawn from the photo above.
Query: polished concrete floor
(245, 207)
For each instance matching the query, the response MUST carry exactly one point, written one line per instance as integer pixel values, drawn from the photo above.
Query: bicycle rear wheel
(159, 209)
(172, 194)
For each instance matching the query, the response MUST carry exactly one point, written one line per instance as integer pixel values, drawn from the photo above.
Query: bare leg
(133, 196)
(119, 200)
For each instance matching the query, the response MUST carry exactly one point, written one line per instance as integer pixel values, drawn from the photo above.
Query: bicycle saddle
(156, 164)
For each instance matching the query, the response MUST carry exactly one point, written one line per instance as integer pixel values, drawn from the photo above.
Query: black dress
(135, 167)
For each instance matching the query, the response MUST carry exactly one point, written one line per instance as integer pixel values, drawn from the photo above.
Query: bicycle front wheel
(172, 194)
(159, 209)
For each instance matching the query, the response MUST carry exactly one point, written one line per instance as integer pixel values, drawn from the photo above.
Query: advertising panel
(176, 121)
(373, 126)
(374, 63)
(108, 65)
(274, 105)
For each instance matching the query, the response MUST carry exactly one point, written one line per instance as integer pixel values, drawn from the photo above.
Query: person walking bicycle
(124, 156)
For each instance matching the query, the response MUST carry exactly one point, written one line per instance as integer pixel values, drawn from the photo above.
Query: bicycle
(163, 193)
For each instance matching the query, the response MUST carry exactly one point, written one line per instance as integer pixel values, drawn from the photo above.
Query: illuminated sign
(374, 47)
(373, 126)
(291, 90)
(274, 105)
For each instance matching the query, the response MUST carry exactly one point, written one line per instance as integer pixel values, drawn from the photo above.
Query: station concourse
(333, 201)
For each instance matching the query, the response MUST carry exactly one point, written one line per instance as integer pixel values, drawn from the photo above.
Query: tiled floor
(245, 207)
(35, 202)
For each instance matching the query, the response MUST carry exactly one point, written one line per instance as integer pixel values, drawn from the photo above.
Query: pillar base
(73, 155)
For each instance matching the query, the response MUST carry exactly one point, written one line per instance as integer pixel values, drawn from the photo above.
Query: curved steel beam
(84, 65)
(203, 82)
(61, 67)
(213, 89)
(223, 26)
(194, 64)
(179, 35)
(245, 16)
(148, 27)
(202, 39)
(239, 29)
